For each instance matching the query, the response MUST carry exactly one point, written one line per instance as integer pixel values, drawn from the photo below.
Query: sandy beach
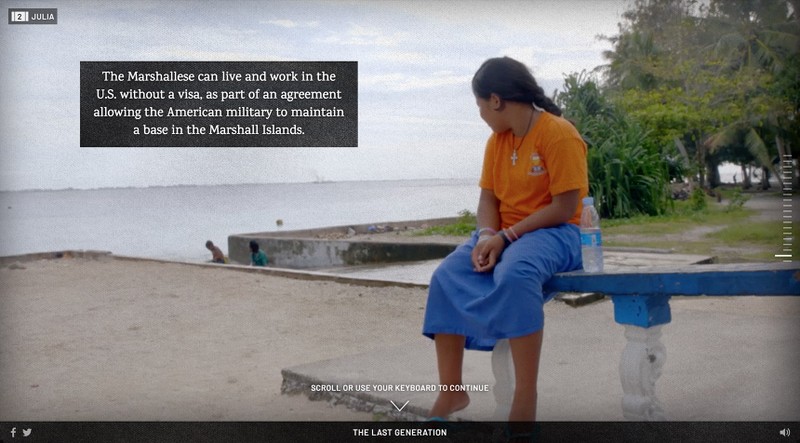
(111, 339)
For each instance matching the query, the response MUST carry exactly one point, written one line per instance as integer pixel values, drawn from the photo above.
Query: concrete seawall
(342, 245)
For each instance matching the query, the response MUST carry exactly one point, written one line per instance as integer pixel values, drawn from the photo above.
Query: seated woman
(490, 288)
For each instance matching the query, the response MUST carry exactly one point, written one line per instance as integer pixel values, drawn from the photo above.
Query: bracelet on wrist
(491, 231)
(514, 236)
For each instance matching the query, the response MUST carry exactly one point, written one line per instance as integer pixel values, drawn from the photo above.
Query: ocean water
(174, 222)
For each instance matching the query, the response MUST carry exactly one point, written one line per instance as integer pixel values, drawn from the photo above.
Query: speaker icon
(785, 432)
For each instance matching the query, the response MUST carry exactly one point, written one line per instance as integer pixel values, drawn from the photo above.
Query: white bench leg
(640, 367)
(503, 370)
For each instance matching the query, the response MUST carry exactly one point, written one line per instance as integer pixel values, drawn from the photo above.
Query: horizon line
(190, 185)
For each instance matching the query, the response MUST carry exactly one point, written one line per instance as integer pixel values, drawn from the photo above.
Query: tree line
(687, 86)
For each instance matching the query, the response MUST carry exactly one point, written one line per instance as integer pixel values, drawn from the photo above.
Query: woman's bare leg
(525, 352)
(450, 359)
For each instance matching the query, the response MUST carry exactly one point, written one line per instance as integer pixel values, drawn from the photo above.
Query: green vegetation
(763, 239)
(751, 233)
(688, 85)
(698, 200)
(683, 218)
(628, 174)
(719, 77)
(466, 223)
(736, 200)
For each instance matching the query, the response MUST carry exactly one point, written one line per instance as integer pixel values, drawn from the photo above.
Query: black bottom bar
(343, 432)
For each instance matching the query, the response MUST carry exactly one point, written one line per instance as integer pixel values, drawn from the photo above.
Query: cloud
(411, 58)
(398, 82)
(367, 36)
(285, 23)
(182, 53)
(420, 120)
(554, 64)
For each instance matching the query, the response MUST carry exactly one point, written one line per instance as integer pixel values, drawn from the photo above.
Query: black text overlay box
(219, 104)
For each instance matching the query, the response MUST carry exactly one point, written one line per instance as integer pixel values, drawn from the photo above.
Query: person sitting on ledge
(490, 288)
(216, 253)
(257, 256)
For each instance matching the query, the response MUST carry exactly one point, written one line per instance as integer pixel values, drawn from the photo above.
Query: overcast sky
(417, 115)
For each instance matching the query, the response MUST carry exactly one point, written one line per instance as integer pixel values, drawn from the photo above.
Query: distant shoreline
(185, 185)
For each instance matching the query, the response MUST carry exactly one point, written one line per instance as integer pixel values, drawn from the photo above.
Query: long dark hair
(510, 80)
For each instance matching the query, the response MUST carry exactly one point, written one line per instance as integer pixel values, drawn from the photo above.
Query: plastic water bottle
(591, 238)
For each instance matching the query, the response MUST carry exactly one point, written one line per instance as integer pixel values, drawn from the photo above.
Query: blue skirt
(506, 302)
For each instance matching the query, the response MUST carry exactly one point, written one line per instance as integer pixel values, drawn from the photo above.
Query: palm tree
(633, 62)
(754, 33)
(756, 39)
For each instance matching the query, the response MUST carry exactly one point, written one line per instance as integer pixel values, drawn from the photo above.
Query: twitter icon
(26, 432)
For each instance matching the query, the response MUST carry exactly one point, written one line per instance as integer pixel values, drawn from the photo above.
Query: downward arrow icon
(399, 408)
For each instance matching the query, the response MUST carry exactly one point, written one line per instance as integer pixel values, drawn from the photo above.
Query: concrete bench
(641, 303)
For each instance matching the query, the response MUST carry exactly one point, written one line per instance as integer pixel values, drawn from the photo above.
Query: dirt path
(770, 206)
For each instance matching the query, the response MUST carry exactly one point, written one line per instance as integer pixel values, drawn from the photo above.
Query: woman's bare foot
(523, 406)
(447, 403)
(521, 426)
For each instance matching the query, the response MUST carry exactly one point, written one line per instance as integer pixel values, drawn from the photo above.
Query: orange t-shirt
(551, 160)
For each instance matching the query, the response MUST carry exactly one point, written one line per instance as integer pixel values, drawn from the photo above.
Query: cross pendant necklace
(514, 157)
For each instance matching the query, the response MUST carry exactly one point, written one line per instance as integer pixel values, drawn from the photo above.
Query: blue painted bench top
(727, 279)
(641, 295)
